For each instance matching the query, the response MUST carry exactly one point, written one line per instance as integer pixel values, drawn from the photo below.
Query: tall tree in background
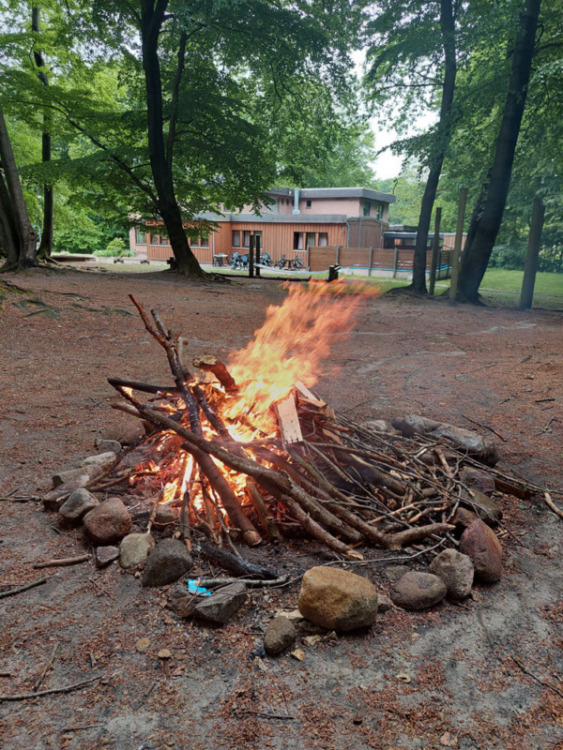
(416, 53)
(46, 243)
(16, 232)
(488, 212)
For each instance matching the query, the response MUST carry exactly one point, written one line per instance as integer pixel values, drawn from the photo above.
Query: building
(289, 224)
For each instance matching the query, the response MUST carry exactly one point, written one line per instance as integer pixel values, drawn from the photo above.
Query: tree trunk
(439, 148)
(152, 17)
(22, 249)
(489, 209)
(46, 245)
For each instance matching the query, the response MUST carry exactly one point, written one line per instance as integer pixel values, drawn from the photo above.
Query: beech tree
(489, 208)
(17, 235)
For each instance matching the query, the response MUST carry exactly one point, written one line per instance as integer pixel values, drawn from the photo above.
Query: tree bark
(46, 245)
(22, 248)
(487, 214)
(439, 147)
(152, 18)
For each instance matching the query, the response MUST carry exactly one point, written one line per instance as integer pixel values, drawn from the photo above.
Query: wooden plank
(289, 420)
(309, 395)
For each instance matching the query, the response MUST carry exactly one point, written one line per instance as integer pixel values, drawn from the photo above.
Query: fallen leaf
(403, 677)
(448, 740)
(298, 654)
(312, 640)
(164, 653)
(142, 645)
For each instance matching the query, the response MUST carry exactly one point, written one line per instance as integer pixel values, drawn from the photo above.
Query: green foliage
(115, 249)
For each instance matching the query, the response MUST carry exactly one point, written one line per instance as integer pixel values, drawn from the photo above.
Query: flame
(295, 337)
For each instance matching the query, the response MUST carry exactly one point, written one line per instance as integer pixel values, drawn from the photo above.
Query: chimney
(296, 201)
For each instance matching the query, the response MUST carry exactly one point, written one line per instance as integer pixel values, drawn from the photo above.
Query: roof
(336, 192)
(269, 217)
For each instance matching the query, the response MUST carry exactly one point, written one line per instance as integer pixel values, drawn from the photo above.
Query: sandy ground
(479, 676)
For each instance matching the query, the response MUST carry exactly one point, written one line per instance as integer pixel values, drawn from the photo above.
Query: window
(308, 204)
(310, 242)
(204, 239)
(298, 240)
(367, 208)
(246, 239)
(236, 239)
(380, 211)
(141, 237)
(162, 240)
(323, 239)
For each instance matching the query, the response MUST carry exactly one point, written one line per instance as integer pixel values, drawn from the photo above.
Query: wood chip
(298, 654)
(142, 645)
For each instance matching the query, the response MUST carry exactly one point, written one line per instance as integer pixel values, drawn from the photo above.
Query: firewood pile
(234, 471)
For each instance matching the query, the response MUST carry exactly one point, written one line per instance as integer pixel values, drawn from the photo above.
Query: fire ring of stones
(248, 455)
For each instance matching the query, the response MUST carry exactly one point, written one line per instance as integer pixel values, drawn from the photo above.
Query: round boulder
(280, 634)
(456, 570)
(416, 591)
(168, 561)
(337, 600)
(480, 543)
(134, 549)
(109, 522)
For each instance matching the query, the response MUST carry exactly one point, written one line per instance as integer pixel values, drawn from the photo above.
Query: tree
(16, 232)
(418, 37)
(489, 208)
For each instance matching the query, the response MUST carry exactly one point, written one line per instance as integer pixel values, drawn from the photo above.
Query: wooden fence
(368, 259)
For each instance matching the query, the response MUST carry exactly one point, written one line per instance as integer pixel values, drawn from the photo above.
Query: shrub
(115, 249)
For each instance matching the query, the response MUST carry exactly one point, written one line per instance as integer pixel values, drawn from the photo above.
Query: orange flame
(295, 337)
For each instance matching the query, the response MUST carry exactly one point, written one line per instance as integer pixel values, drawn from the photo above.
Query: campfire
(245, 452)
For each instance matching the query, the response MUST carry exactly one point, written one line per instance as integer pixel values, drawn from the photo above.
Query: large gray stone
(456, 570)
(279, 635)
(100, 459)
(337, 600)
(77, 505)
(482, 505)
(181, 602)
(415, 591)
(134, 549)
(480, 543)
(223, 604)
(168, 561)
(54, 499)
(67, 476)
(109, 522)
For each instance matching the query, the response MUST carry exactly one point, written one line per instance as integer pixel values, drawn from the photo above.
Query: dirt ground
(483, 675)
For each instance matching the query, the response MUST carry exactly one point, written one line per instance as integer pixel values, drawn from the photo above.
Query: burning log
(246, 452)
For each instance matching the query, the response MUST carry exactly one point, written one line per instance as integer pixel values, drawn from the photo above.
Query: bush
(115, 249)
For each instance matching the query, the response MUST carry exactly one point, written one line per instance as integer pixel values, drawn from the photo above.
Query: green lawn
(502, 287)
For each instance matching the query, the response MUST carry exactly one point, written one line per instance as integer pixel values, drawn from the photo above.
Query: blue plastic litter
(193, 588)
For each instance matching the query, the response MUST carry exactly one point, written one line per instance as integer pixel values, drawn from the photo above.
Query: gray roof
(336, 192)
(271, 218)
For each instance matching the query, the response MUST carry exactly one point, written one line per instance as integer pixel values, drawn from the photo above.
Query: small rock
(69, 475)
(312, 640)
(168, 561)
(103, 556)
(480, 543)
(109, 522)
(105, 446)
(449, 740)
(77, 505)
(55, 498)
(134, 549)
(416, 591)
(293, 615)
(456, 570)
(464, 517)
(298, 654)
(126, 433)
(181, 602)
(223, 604)
(165, 653)
(477, 479)
(165, 515)
(377, 425)
(483, 506)
(337, 600)
(394, 572)
(101, 459)
(280, 634)
(384, 604)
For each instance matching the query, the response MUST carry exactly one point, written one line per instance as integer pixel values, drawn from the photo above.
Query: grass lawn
(503, 288)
